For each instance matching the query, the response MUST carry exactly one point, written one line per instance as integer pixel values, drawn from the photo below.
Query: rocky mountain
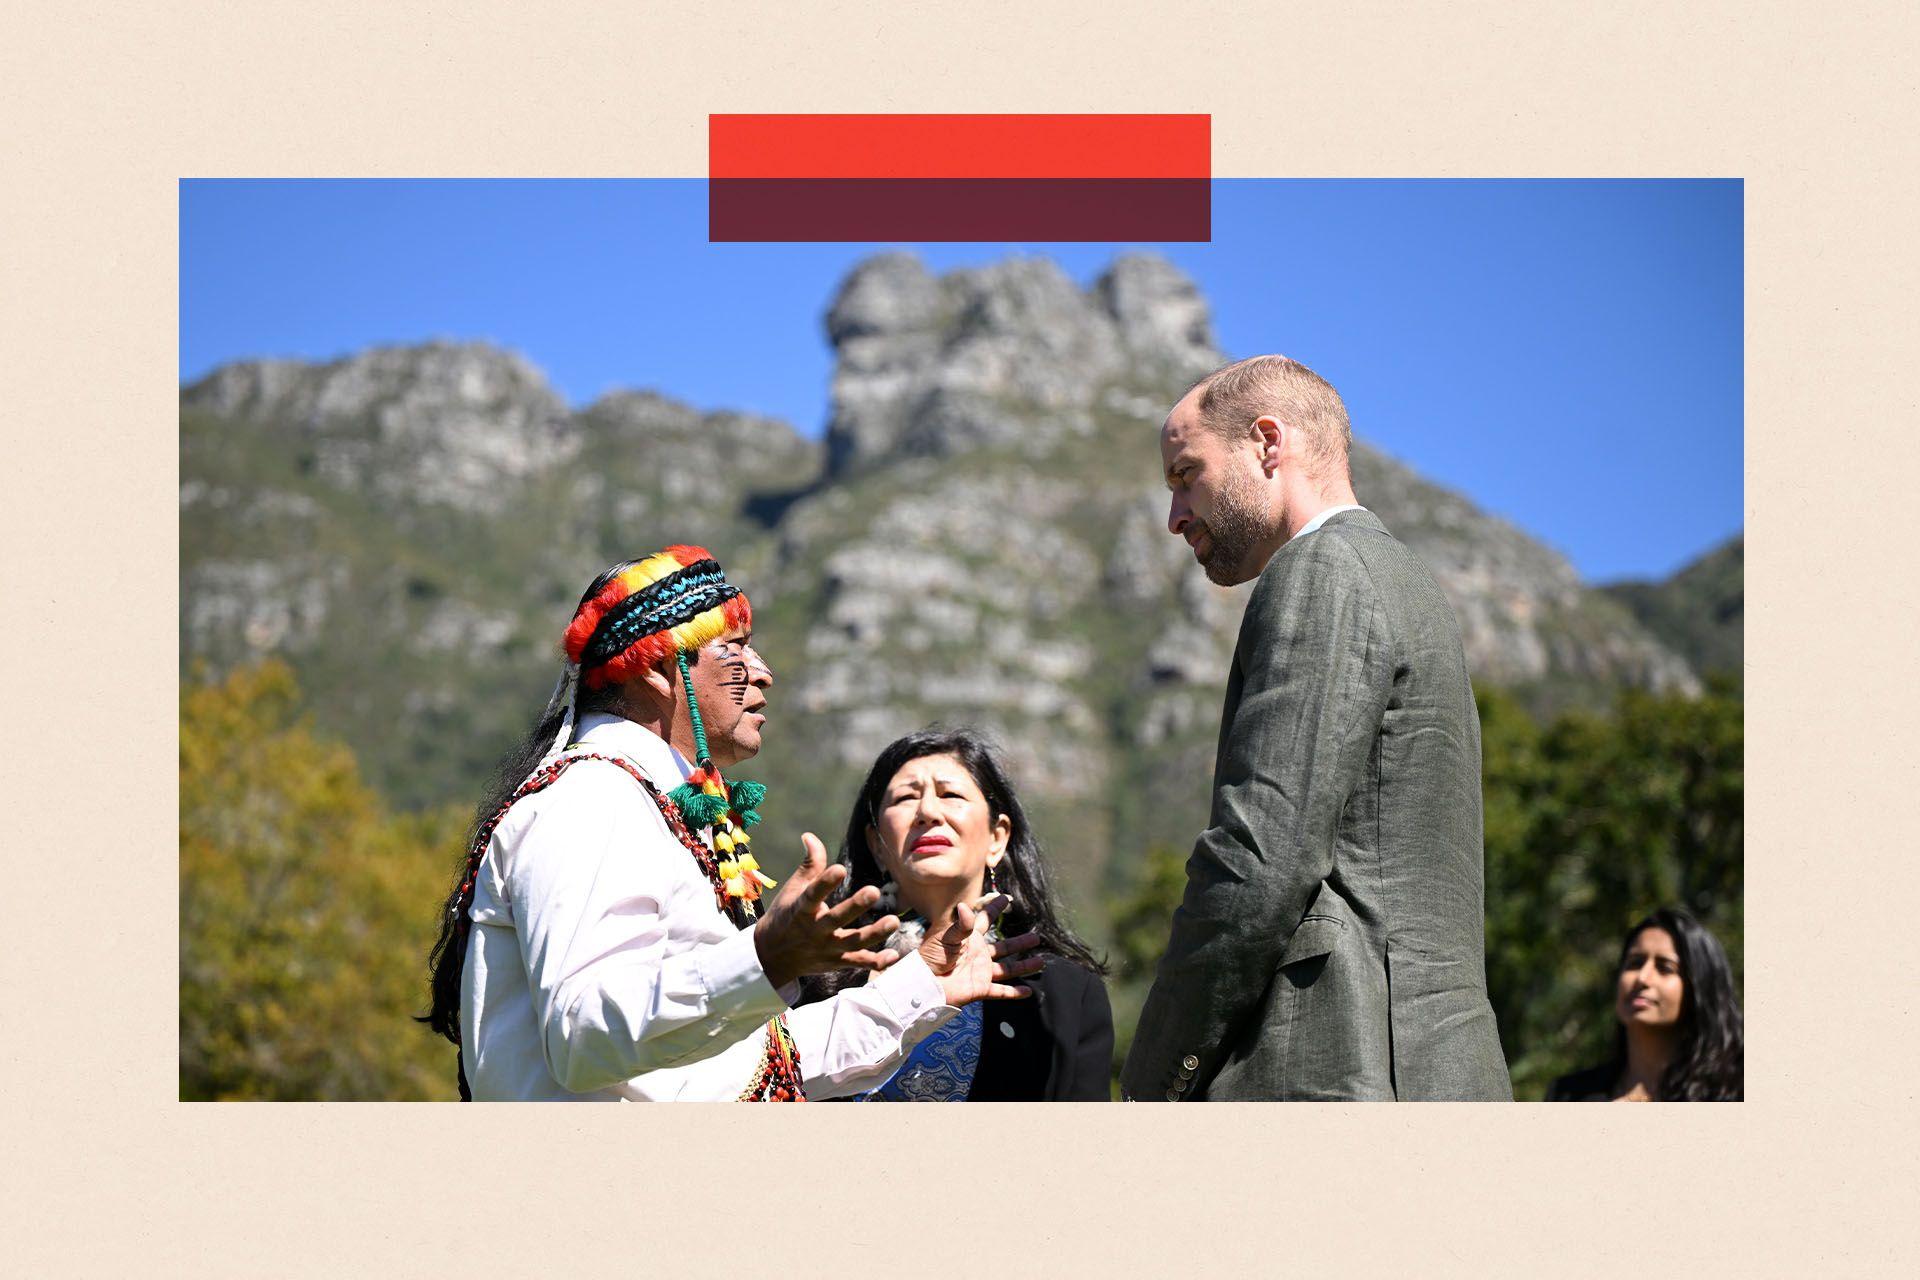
(980, 537)
(1700, 612)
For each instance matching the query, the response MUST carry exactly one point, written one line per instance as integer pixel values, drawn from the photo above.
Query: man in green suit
(1329, 944)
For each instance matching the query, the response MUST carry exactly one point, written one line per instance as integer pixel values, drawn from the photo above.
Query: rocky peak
(645, 431)
(888, 294)
(1162, 318)
(1012, 355)
(444, 423)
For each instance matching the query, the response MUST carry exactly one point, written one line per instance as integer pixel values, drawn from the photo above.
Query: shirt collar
(663, 764)
(1326, 515)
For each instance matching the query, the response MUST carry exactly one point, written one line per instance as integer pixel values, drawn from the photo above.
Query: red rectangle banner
(959, 146)
(959, 177)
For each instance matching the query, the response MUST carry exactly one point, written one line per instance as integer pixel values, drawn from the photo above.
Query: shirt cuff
(911, 991)
(735, 983)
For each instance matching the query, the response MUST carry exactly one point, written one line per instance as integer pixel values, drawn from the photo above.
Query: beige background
(105, 107)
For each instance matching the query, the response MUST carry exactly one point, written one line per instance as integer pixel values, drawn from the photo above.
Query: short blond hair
(1234, 395)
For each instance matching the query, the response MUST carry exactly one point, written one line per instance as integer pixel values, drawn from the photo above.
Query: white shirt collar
(1324, 516)
(659, 759)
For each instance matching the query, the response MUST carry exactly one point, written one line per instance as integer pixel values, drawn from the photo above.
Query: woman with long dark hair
(937, 826)
(1679, 1036)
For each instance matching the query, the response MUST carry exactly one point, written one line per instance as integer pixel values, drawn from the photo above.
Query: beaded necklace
(778, 1078)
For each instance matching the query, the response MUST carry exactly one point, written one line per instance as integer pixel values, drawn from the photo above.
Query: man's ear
(661, 677)
(1271, 437)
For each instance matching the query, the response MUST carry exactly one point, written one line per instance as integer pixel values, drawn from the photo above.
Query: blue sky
(1566, 353)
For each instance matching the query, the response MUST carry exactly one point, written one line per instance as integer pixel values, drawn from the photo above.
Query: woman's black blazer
(1054, 1046)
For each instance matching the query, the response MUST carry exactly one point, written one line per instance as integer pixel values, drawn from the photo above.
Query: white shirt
(600, 969)
(1324, 516)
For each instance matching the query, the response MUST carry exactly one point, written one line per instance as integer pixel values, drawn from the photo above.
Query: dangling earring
(993, 884)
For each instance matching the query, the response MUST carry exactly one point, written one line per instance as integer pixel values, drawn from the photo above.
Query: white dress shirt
(1325, 516)
(600, 969)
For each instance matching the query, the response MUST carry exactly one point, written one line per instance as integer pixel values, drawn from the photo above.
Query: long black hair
(1022, 875)
(1709, 1059)
(449, 955)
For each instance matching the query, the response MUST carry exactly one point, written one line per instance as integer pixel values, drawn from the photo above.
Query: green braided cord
(693, 713)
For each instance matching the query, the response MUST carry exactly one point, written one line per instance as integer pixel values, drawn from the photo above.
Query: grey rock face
(692, 454)
(444, 423)
(1162, 318)
(1012, 356)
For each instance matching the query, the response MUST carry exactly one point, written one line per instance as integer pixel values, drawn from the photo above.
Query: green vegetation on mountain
(1700, 612)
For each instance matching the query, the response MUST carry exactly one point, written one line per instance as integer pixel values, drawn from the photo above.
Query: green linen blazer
(1330, 941)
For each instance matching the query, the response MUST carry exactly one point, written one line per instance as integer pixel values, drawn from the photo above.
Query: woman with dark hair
(1679, 1036)
(938, 828)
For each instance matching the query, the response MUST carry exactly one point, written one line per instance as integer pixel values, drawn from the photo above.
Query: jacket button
(1190, 1062)
(1173, 1095)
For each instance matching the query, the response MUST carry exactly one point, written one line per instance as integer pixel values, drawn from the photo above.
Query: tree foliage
(306, 909)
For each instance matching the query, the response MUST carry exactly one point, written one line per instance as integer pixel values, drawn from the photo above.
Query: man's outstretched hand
(801, 934)
(972, 966)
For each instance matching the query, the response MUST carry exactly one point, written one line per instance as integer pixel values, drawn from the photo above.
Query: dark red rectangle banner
(953, 177)
(929, 209)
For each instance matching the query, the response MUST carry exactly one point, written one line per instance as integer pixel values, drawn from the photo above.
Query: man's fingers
(845, 913)
(824, 884)
(813, 855)
(871, 961)
(994, 905)
(998, 991)
(875, 933)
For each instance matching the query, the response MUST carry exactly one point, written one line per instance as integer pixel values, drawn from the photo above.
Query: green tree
(1591, 822)
(306, 910)
(1142, 920)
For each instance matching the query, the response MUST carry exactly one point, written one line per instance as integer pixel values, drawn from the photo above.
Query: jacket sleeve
(591, 882)
(1314, 681)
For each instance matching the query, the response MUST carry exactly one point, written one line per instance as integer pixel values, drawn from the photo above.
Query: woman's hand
(972, 966)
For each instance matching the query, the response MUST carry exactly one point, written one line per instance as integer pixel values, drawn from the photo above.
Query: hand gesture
(801, 934)
(972, 966)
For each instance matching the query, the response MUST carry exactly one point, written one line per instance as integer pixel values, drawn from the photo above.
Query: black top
(1054, 1046)
(1594, 1084)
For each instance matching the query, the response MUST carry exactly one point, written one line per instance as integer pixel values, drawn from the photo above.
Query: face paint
(738, 664)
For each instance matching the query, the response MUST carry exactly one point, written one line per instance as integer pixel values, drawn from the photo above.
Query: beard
(1236, 527)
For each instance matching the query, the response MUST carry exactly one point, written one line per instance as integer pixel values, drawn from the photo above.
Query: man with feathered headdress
(613, 937)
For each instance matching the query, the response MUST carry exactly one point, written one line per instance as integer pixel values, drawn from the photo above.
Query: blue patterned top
(940, 1068)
